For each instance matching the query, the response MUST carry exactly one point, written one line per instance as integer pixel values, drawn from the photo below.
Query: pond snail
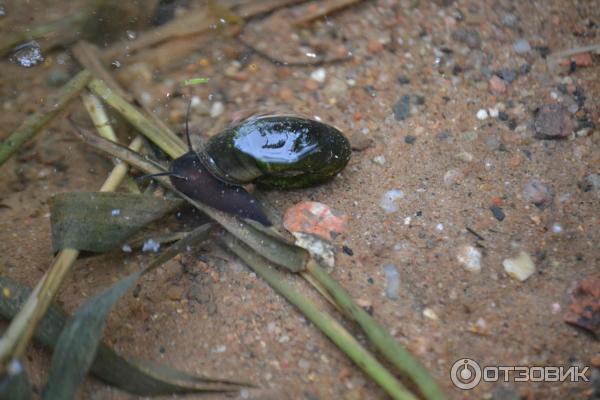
(271, 151)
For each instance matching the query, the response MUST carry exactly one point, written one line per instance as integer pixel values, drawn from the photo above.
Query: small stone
(175, 293)
(360, 142)
(470, 258)
(217, 109)
(403, 80)
(311, 85)
(520, 267)
(453, 176)
(502, 116)
(430, 314)
(537, 193)
(509, 20)
(379, 160)
(591, 183)
(470, 37)
(410, 139)
(392, 285)
(151, 245)
(286, 94)
(553, 121)
(402, 108)
(375, 46)
(316, 219)
(497, 212)
(522, 46)
(580, 60)
(464, 156)
(497, 84)
(482, 114)
(389, 200)
(319, 75)
(507, 74)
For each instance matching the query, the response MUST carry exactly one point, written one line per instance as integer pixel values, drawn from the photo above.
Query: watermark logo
(467, 373)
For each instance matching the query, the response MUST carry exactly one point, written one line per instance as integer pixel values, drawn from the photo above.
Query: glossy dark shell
(277, 151)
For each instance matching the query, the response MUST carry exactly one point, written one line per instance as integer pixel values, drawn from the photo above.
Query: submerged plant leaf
(80, 338)
(100, 221)
(137, 377)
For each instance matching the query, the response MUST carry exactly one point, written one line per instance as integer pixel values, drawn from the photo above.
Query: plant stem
(382, 340)
(34, 123)
(329, 326)
(168, 142)
(18, 335)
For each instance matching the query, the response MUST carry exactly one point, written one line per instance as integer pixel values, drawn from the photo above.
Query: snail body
(272, 151)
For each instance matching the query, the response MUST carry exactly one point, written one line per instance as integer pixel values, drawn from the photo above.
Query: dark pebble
(457, 70)
(418, 99)
(543, 50)
(402, 108)
(371, 281)
(347, 250)
(211, 308)
(512, 124)
(162, 350)
(498, 213)
(371, 90)
(524, 69)
(507, 74)
(443, 135)
(553, 121)
(502, 116)
(579, 96)
(419, 213)
(403, 80)
(409, 139)
(470, 37)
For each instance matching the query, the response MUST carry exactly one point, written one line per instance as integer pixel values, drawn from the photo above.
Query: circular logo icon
(465, 374)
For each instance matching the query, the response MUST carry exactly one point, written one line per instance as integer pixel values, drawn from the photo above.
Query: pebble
(126, 248)
(175, 293)
(392, 285)
(453, 176)
(497, 84)
(591, 183)
(402, 108)
(464, 156)
(520, 267)
(319, 75)
(482, 114)
(522, 46)
(507, 74)
(470, 258)
(497, 212)
(151, 245)
(430, 314)
(379, 160)
(470, 37)
(553, 121)
(537, 193)
(27, 54)
(410, 139)
(403, 80)
(217, 109)
(389, 200)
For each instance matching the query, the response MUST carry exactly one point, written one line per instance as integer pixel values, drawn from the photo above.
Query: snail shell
(274, 151)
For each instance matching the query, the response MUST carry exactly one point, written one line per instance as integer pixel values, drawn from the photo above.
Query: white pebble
(389, 199)
(407, 221)
(482, 114)
(216, 109)
(116, 212)
(520, 267)
(557, 228)
(126, 248)
(319, 75)
(494, 112)
(556, 308)
(429, 313)
(379, 160)
(151, 245)
(439, 227)
(220, 349)
(470, 258)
